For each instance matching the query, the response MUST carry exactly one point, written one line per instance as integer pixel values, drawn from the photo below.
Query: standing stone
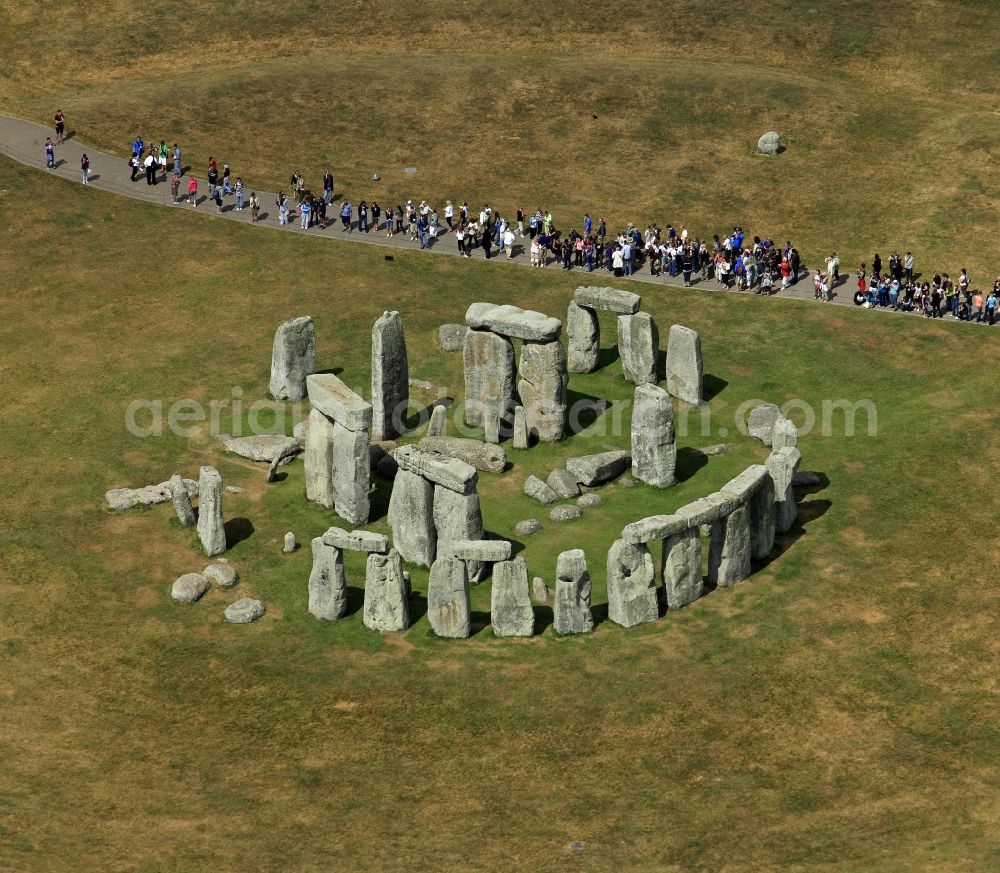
(290, 543)
(542, 389)
(539, 590)
(492, 420)
(390, 377)
(448, 607)
(729, 548)
(451, 336)
(489, 375)
(318, 459)
(784, 434)
(520, 428)
(510, 600)
(631, 585)
(211, 531)
(327, 585)
(638, 347)
(762, 514)
(760, 424)
(351, 474)
(681, 568)
(411, 517)
(435, 427)
(182, 500)
(458, 517)
(654, 447)
(293, 358)
(571, 611)
(386, 607)
(782, 464)
(583, 331)
(684, 366)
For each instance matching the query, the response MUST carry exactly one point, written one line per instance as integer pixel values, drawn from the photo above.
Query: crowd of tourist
(732, 260)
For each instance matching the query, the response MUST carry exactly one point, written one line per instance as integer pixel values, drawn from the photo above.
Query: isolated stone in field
(542, 388)
(327, 585)
(684, 365)
(608, 299)
(290, 543)
(535, 487)
(356, 540)
(439, 415)
(244, 611)
(510, 600)
(293, 358)
(411, 517)
(351, 474)
(592, 498)
(450, 473)
(223, 575)
(583, 333)
(784, 434)
(451, 337)
(638, 347)
(188, 588)
(782, 464)
(527, 527)
(512, 321)
(459, 517)
(631, 585)
(565, 513)
(729, 549)
(539, 590)
(600, 468)
(682, 580)
(211, 531)
(769, 143)
(318, 462)
(335, 400)
(571, 610)
(563, 483)
(182, 501)
(390, 376)
(488, 361)
(654, 448)
(386, 607)
(520, 435)
(483, 456)
(448, 607)
(761, 423)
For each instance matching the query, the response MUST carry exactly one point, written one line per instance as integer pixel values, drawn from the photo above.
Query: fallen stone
(290, 543)
(181, 497)
(386, 606)
(318, 460)
(539, 590)
(439, 416)
(476, 550)
(244, 611)
(512, 321)
(424, 385)
(782, 465)
(535, 487)
(760, 425)
(684, 365)
(681, 568)
(300, 430)
(223, 575)
(563, 483)
(542, 381)
(600, 468)
(784, 435)
(390, 376)
(565, 513)
(451, 337)
(232, 489)
(450, 473)
(335, 400)
(120, 499)
(654, 447)
(510, 600)
(769, 143)
(583, 333)
(488, 365)
(351, 474)
(459, 517)
(590, 499)
(411, 517)
(292, 448)
(709, 451)
(632, 598)
(293, 358)
(263, 448)
(327, 584)
(527, 527)
(448, 608)
(571, 610)
(520, 430)
(189, 588)
(483, 456)
(211, 530)
(638, 347)
(356, 540)
(729, 549)
(608, 300)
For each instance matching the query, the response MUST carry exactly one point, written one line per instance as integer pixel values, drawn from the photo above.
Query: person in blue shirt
(587, 224)
(345, 215)
(50, 154)
(422, 227)
(137, 146)
(305, 210)
(627, 258)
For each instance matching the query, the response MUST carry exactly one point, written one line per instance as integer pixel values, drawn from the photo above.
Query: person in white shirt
(508, 241)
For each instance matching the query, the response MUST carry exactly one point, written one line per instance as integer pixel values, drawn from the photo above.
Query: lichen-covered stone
(782, 465)
(293, 358)
(535, 487)
(510, 600)
(411, 517)
(351, 474)
(729, 549)
(459, 517)
(527, 527)
(608, 299)
(386, 606)
(318, 459)
(565, 513)
(476, 550)
(451, 473)
(488, 361)
(784, 434)
(761, 423)
(684, 365)
(181, 498)
(448, 608)
(390, 376)
(483, 456)
(769, 143)
(211, 530)
(223, 575)
(631, 585)
(591, 498)
(682, 579)
(583, 333)
(762, 516)
(189, 588)
(638, 347)
(542, 388)
(356, 540)
(436, 423)
(512, 321)
(571, 610)
(335, 400)
(451, 337)
(327, 585)
(654, 447)
(520, 429)
(563, 483)
(244, 611)
(600, 468)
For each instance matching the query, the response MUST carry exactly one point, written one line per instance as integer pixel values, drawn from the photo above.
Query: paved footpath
(24, 141)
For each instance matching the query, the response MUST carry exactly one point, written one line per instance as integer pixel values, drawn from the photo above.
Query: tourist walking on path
(134, 162)
(85, 169)
(150, 164)
(239, 194)
(178, 169)
(193, 191)
(328, 187)
(175, 185)
(345, 216)
(282, 203)
(305, 210)
(213, 176)
(50, 154)
(254, 207)
(60, 127)
(218, 199)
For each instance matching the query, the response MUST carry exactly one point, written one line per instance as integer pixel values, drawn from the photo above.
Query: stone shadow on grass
(584, 410)
(478, 622)
(809, 510)
(543, 617)
(332, 371)
(355, 600)
(378, 498)
(711, 386)
(237, 530)
(689, 461)
(606, 356)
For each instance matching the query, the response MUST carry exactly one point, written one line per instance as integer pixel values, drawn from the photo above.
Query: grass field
(837, 711)
(887, 107)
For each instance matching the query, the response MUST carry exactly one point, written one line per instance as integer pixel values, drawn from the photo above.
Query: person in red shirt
(193, 191)
(786, 272)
